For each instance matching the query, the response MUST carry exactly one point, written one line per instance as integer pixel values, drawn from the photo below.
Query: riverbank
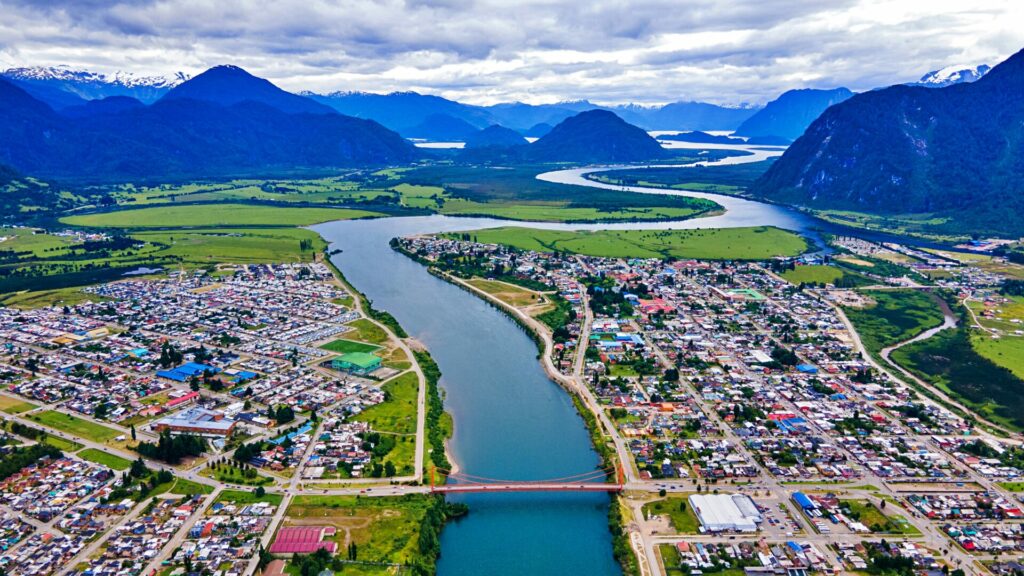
(622, 550)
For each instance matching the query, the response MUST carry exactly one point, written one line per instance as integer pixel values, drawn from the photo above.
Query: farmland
(714, 244)
(204, 215)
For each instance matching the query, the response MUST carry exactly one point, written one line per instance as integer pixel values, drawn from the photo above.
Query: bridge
(460, 482)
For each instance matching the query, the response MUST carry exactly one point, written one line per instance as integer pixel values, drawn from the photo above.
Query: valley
(708, 317)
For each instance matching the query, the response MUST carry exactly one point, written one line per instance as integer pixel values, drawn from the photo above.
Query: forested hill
(955, 154)
(595, 136)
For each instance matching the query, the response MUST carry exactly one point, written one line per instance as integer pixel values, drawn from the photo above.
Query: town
(746, 407)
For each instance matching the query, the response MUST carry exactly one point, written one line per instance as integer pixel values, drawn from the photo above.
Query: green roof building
(356, 362)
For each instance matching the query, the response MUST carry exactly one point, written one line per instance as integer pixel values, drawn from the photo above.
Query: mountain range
(222, 122)
(953, 154)
(416, 115)
(52, 81)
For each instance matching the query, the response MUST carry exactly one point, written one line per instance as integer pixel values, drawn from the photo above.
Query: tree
(139, 469)
(133, 432)
(260, 492)
(389, 468)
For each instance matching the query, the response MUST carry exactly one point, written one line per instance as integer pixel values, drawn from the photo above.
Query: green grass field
(386, 529)
(342, 346)
(1007, 351)
(13, 405)
(75, 426)
(711, 244)
(205, 215)
(106, 459)
(897, 315)
(233, 475)
(681, 516)
(240, 497)
(813, 275)
(951, 362)
(188, 487)
(62, 444)
(367, 331)
(241, 246)
(545, 212)
(397, 414)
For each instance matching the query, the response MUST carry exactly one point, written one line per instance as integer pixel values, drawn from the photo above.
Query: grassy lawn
(199, 215)
(712, 244)
(240, 497)
(75, 426)
(342, 346)
(367, 331)
(386, 529)
(869, 515)
(233, 475)
(188, 488)
(897, 315)
(813, 275)
(397, 414)
(508, 293)
(62, 444)
(106, 459)
(670, 558)
(1012, 486)
(679, 513)
(15, 405)
(27, 300)
(1007, 351)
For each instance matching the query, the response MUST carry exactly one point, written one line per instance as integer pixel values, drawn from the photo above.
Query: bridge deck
(528, 487)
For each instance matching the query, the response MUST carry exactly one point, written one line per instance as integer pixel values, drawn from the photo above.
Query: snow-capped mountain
(952, 75)
(94, 85)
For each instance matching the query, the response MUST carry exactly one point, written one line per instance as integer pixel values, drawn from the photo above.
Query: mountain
(701, 138)
(400, 111)
(441, 128)
(595, 136)
(791, 113)
(520, 116)
(92, 85)
(538, 130)
(951, 75)
(228, 85)
(685, 116)
(185, 138)
(103, 106)
(495, 136)
(955, 154)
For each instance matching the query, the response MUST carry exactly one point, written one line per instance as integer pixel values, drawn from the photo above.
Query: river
(511, 421)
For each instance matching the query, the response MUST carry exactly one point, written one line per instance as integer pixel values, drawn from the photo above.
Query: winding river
(511, 421)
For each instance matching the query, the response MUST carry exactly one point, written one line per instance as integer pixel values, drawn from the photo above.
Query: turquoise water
(511, 421)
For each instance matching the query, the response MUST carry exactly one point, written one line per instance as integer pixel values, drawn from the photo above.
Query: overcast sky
(607, 51)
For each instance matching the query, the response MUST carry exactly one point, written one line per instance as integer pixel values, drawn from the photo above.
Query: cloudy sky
(607, 51)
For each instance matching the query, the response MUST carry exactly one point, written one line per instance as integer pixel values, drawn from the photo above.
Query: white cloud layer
(608, 51)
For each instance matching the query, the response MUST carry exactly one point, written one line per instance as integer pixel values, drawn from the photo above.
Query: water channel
(511, 421)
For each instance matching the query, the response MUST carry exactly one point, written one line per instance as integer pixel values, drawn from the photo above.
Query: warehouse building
(196, 420)
(725, 512)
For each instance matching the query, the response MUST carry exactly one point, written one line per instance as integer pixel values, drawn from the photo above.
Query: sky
(729, 52)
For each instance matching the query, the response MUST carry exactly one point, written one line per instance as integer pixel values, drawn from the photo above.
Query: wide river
(511, 421)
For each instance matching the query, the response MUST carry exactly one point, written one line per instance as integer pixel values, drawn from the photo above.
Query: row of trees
(172, 449)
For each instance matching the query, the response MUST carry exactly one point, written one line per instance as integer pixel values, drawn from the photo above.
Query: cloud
(484, 51)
